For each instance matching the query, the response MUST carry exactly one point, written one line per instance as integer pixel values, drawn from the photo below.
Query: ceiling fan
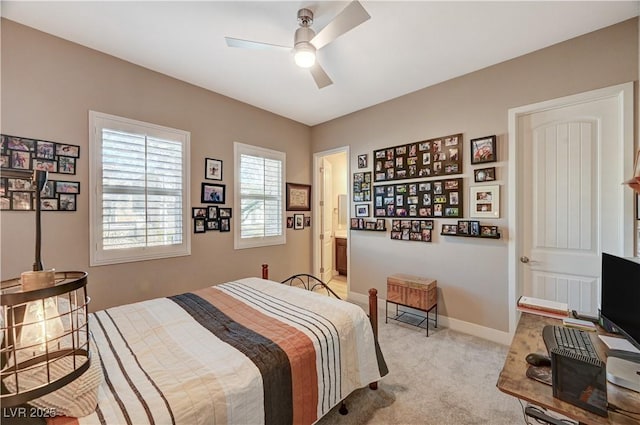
(307, 42)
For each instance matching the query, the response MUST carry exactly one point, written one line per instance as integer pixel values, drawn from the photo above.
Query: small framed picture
(449, 229)
(21, 160)
(198, 212)
(213, 225)
(67, 187)
(362, 210)
(66, 165)
(45, 150)
(45, 165)
(224, 212)
(370, 225)
(354, 223)
(21, 201)
(362, 161)
(463, 227)
(212, 169)
(49, 204)
(289, 222)
(380, 224)
(307, 222)
(483, 150)
(199, 225)
(67, 202)
(68, 150)
(298, 221)
(484, 174)
(212, 193)
(298, 197)
(225, 224)
(489, 231)
(474, 228)
(485, 201)
(212, 212)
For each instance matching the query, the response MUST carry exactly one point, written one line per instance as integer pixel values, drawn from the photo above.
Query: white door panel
(326, 222)
(569, 178)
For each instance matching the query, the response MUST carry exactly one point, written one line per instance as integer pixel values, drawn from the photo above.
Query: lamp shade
(43, 329)
(305, 55)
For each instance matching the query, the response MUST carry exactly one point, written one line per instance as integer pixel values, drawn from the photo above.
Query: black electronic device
(578, 374)
(621, 297)
(537, 359)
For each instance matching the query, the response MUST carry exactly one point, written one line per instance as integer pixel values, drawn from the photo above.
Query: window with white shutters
(259, 189)
(139, 206)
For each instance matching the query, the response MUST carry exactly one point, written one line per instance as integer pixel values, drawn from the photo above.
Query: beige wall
(471, 274)
(48, 87)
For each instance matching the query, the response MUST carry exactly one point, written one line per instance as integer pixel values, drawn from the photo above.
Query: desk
(513, 381)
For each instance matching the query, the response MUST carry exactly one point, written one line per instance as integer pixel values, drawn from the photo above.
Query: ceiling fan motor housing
(305, 17)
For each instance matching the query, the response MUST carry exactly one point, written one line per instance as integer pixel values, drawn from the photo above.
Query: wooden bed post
(265, 271)
(373, 318)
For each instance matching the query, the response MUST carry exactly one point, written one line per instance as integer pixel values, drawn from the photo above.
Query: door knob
(524, 259)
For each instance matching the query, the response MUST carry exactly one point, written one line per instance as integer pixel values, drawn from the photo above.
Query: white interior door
(571, 198)
(326, 221)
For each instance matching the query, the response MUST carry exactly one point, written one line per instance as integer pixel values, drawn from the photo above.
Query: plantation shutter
(259, 189)
(141, 191)
(139, 205)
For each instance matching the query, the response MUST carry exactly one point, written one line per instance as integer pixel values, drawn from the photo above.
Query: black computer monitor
(620, 301)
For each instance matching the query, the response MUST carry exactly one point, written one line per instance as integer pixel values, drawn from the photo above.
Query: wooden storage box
(412, 291)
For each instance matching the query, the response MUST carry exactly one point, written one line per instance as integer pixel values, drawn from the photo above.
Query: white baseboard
(483, 332)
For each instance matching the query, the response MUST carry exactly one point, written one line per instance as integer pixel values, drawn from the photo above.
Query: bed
(249, 351)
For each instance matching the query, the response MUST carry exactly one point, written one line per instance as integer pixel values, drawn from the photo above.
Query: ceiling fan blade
(248, 44)
(321, 78)
(352, 16)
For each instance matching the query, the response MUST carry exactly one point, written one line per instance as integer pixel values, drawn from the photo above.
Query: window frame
(97, 255)
(238, 242)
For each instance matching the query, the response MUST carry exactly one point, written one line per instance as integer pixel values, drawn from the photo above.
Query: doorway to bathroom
(330, 225)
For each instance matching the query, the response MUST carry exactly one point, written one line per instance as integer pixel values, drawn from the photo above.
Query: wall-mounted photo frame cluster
(21, 153)
(433, 157)
(18, 195)
(378, 225)
(211, 218)
(362, 187)
(412, 230)
(298, 222)
(435, 198)
(470, 228)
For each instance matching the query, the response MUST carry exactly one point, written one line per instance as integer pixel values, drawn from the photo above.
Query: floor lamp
(44, 331)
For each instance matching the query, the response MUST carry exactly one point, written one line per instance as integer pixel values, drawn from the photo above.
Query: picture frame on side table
(298, 197)
(485, 202)
(483, 150)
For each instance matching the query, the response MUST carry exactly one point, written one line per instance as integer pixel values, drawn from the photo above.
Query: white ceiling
(404, 47)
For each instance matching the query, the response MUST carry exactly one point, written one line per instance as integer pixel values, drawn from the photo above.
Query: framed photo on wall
(212, 169)
(298, 197)
(485, 201)
(212, 193)
(362, 210)
(483, 150)
(484, 174)
(298, 221)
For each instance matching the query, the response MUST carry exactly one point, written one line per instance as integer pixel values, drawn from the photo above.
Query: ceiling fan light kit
(306, 42)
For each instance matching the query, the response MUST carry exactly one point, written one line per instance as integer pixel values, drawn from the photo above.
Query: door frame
(315, 225)
(625, 96)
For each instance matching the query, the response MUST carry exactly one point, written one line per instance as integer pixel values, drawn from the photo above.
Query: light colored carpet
(448, 378)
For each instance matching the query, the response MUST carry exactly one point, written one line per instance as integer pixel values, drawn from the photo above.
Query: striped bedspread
(250, 351)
